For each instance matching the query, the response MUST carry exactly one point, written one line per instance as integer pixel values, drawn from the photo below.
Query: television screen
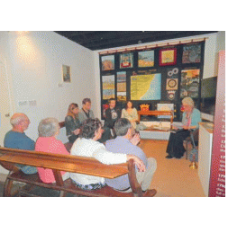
(208, 95)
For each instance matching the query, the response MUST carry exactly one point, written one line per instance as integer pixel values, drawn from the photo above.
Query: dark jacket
(71, 124)
(109, 122)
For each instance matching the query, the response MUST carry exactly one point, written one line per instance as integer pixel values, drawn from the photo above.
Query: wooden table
(156, 113)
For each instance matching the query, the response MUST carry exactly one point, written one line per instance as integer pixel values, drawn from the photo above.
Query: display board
(153, 76)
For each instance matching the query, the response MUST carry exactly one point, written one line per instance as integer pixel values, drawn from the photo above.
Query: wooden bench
(69, 163)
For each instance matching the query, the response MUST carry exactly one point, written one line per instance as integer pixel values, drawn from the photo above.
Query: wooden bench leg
(7, 187)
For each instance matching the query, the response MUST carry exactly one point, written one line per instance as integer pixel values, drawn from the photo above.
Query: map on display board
(146, 87)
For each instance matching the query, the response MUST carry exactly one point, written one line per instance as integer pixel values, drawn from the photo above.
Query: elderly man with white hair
(190, 120)
(17, 139)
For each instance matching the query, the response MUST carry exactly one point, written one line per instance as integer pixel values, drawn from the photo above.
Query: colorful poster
(167, 56)
(146, 87)
(121, 81)
(126, 60)
(108, 86)
(146, 59)
(172, 84)
(108, 62)
(191, 53)
(121, 96)
(190, 80)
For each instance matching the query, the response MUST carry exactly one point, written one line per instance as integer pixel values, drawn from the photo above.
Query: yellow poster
(146, 87)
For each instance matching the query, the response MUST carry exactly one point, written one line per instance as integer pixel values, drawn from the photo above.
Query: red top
(51, 145)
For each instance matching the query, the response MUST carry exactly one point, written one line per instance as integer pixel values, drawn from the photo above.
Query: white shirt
(90, 148)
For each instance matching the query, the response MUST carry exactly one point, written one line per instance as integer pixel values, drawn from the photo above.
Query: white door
(4, 103)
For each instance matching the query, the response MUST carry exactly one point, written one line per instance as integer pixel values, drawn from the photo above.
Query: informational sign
(217, 177)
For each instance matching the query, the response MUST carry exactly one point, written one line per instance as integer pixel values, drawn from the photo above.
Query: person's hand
(77, 131)
(138, 162)
(186, 127)
(135, 139)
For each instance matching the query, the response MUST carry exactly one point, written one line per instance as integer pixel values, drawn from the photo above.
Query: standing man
(126, 143)
(17, 139)
(86, 113)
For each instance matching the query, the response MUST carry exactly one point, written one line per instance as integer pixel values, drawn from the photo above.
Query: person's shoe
(169, 156)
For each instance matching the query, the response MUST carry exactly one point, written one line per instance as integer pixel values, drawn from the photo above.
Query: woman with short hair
(87, 145)
(72, 122)
(48, 129)
(190, 120)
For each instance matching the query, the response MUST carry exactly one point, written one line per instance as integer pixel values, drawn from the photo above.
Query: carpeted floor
(173, 177)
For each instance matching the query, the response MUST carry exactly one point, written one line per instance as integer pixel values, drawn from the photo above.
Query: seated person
(87, 145)
(111, 114)
(48, 129)
(191, 118)
(72, 123)
(130, 113)
(86, 113)
(126, 143)
(17, 139)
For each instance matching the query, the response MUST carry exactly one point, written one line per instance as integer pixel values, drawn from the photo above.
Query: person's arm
(123, 114)
(135, 115)
(81, 117)
(26, 144)
(91, 114)
(60, 148)
(108, 158)
(70, 125)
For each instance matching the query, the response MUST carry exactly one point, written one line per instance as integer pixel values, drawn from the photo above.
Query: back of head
(17, 118)
(89, 127)
(121, 126)
(48, 127)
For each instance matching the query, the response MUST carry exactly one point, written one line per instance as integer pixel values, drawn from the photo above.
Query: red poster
(217, 177)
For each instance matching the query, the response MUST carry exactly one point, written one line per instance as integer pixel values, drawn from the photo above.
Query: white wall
(36, 60)
(210, 56)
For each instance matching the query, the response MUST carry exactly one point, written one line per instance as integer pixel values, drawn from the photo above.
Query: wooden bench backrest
(68, 163)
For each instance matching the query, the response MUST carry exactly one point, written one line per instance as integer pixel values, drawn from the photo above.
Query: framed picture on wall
(146, 58)
(126, 60)
(191, 53)
(167, 56)
(108, 62)
(66, 74)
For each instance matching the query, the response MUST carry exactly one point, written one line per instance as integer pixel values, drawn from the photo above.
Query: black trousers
(175, 146)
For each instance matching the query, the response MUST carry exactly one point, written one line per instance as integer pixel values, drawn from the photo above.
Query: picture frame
(126, 60)
(167, 57)
(66, 74)
(191, 53)
(108, 62)
(146, 58)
